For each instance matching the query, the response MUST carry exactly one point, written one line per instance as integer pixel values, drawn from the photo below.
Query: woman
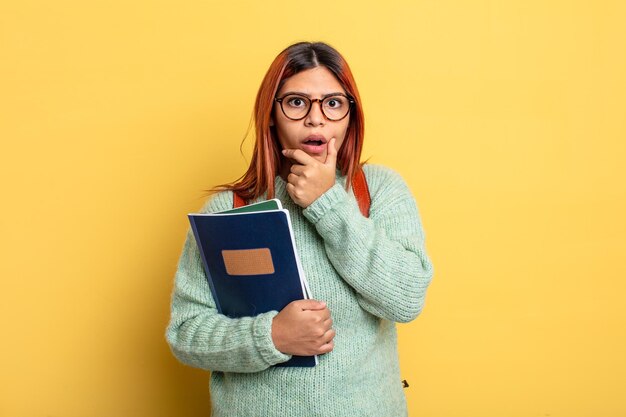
(366, 270)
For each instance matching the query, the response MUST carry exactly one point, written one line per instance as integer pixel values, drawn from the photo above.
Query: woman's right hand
(303, 328)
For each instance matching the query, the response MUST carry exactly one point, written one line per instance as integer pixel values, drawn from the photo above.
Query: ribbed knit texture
(371, 272)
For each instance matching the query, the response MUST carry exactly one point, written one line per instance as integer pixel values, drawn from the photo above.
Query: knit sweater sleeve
(383, 257)
(201, 337)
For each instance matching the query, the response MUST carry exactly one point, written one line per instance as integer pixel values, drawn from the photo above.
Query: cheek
(286, 134)
(283, 132)
(279, 125)
(343, 132)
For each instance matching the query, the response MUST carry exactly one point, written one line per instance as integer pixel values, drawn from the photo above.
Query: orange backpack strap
(361, 192)
(238, 201)
(359, 187)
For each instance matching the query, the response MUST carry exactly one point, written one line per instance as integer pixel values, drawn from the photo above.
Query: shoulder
(387, 189)
(220, 201)
(379, 171)
(380, 177)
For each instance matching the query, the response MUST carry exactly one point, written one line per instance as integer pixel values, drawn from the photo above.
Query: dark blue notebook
(251, 264)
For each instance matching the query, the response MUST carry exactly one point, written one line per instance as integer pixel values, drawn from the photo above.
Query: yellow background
(506, 118)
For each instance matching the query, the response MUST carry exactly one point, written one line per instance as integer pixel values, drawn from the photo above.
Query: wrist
(276, 335)
(325, 202)
(262, 333)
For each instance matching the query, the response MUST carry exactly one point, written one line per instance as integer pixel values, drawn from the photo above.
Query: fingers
(298, 155)
(324, 314)
(304, 327)
(329, 336)
(331, 153)
(328, 347)
(292, 178)
(326, 337)
(311, 329)
(328, 342)
(298, 169)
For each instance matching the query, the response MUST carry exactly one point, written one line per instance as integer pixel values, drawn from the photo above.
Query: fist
(303, 328)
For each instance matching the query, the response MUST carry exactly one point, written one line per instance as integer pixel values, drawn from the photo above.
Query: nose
(315, 116)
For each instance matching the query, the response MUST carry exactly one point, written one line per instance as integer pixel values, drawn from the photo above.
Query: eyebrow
(338, 93)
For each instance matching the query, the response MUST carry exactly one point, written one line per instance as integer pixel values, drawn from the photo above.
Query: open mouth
(314, 144)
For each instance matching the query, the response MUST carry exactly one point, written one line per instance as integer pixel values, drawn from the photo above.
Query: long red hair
(265, 162)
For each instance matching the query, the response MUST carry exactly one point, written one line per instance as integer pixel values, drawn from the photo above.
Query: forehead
(313, 82)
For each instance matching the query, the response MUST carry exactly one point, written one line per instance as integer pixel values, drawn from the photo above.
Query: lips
(315, 140)
(315, 144)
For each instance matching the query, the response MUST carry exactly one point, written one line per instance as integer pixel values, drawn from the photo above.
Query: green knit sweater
(371, 272)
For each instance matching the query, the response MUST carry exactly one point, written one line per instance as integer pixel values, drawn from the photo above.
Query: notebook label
(248, 261)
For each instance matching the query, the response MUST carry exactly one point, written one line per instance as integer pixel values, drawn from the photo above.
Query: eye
(296, 102)
(335, 102)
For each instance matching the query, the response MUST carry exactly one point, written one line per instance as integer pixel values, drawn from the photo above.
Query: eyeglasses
(297, 106)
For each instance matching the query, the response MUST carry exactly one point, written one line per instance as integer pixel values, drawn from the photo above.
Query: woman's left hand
(310, 178)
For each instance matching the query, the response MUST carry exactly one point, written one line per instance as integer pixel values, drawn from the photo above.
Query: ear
(271, 121)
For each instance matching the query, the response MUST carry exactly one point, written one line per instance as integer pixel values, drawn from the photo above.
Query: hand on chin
(310, 176)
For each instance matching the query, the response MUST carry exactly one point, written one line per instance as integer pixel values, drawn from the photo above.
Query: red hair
(265, 162)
